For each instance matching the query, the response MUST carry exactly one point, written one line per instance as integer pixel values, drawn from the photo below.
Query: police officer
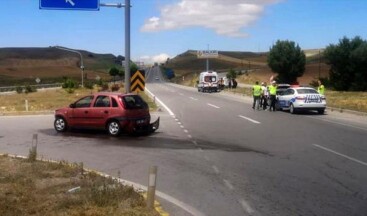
(256, 92)
(321, 88)
(273, 95)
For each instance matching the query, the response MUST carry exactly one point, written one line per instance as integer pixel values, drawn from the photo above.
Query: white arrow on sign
(70, 1)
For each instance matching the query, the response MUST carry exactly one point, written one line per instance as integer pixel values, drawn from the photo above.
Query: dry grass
(41, 188)
(48, 100)
(347, 100)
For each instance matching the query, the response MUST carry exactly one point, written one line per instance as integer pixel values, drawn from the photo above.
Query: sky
(162, 29)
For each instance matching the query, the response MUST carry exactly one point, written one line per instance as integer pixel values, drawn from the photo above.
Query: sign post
(69, 5)
(94, 6)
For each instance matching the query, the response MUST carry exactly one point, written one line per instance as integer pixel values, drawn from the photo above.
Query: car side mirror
(72, 105)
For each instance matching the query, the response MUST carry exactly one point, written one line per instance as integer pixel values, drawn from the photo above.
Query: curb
(341, 110)
(138, 188)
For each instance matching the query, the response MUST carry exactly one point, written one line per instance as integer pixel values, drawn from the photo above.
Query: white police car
(301, 98)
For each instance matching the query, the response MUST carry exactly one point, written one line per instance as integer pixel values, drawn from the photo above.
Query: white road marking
(249, 119)
(246, 206)
(186, 131)
(159, 101)
(348, 125)
(193, 98)
(182, 126)
(189, 136)
(215, 168)
(340, 154)
(176, 120)
(217, 107)
(181, 94)
(228, 184)
(201, 150)
(179, 123)
(195, 143)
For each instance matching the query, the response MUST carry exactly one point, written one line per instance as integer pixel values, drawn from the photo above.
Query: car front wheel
(292, 110)
(60, 124)
(114, 128)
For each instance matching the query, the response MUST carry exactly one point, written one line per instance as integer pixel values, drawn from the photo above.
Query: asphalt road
(217, 156)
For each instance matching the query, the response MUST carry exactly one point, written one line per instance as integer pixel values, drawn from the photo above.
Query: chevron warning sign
(137, 81)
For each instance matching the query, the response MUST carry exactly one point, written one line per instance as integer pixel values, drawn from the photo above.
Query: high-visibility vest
(257, 90)
(272, 90)
(321, 89)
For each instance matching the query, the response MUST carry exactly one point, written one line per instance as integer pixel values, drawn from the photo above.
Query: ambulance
(208, 81)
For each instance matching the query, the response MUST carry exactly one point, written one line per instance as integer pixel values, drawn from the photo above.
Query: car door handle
(86, 112)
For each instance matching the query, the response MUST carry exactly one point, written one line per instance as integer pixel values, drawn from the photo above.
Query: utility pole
(127, 39)
(207, 61)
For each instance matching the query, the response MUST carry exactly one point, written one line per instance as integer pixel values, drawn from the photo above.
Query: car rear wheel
(321, 111)
(114, 128)
(292, 110)
(60, 124)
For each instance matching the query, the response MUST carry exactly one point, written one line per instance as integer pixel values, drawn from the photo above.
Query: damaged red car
(114, 112)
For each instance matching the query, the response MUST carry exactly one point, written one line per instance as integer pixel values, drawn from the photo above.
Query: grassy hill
(19, 66)
(254, 64)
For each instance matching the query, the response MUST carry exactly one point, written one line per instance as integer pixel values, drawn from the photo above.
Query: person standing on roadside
(273, 95)
(321, 88)
(256, 92)
(264, 96)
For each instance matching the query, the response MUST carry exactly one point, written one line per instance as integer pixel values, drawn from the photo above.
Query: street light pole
(81, 59)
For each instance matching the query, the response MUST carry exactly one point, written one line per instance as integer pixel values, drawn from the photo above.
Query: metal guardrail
(39, 86)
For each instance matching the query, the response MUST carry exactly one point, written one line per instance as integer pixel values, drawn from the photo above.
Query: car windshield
(210, 78)
(307, 91)
(134, 102)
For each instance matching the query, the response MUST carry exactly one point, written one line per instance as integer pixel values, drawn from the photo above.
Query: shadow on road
(156, 140)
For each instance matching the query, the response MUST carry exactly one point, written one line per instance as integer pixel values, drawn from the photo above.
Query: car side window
(288, 92)
(84, 102)
(102, 101)
(114, 103)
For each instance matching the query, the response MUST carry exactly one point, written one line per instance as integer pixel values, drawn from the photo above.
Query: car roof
(302, 88)
(112, 93)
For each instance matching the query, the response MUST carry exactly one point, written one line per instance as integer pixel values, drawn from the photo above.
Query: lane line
(182, 126)
(159, 101)
(246, 206)
(193, 98)
(341, 155)
(189, 136)
(348, 125)
(217, 107)
(228, 184)
(215, 168)
(249, 119)
(186, 131)
(195, 143)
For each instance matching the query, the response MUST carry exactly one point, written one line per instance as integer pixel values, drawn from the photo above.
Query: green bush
(19, 89)
(30, 89)
(89, 85)
(69, 83)
(70, 90)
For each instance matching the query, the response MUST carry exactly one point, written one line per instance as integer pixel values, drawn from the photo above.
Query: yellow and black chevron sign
(137, 81)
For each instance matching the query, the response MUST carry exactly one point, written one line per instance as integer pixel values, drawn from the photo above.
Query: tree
(113, 72)
(348, 63)
(133, 68)
(231, 74)
(287, 60)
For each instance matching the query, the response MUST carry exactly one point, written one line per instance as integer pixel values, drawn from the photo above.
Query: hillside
(23, 65)
(253, 64)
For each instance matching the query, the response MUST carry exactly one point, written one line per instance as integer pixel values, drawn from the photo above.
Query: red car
(114, 112)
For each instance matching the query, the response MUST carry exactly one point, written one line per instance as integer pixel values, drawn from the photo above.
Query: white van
(208, 82)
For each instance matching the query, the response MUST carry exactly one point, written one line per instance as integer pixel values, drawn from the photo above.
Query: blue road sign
(69, 4)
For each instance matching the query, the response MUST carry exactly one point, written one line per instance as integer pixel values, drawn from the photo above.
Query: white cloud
(224, 17)
(160, 58)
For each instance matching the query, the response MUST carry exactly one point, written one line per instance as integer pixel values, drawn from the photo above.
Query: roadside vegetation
(30, 187)
(51, 99)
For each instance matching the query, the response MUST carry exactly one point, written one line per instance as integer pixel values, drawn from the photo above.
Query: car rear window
(134, 102)
(307, 91)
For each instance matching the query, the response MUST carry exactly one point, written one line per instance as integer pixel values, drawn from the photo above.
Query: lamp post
(81, 59)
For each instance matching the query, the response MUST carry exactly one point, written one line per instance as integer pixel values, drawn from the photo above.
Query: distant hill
(23, 65)
(253, 64)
